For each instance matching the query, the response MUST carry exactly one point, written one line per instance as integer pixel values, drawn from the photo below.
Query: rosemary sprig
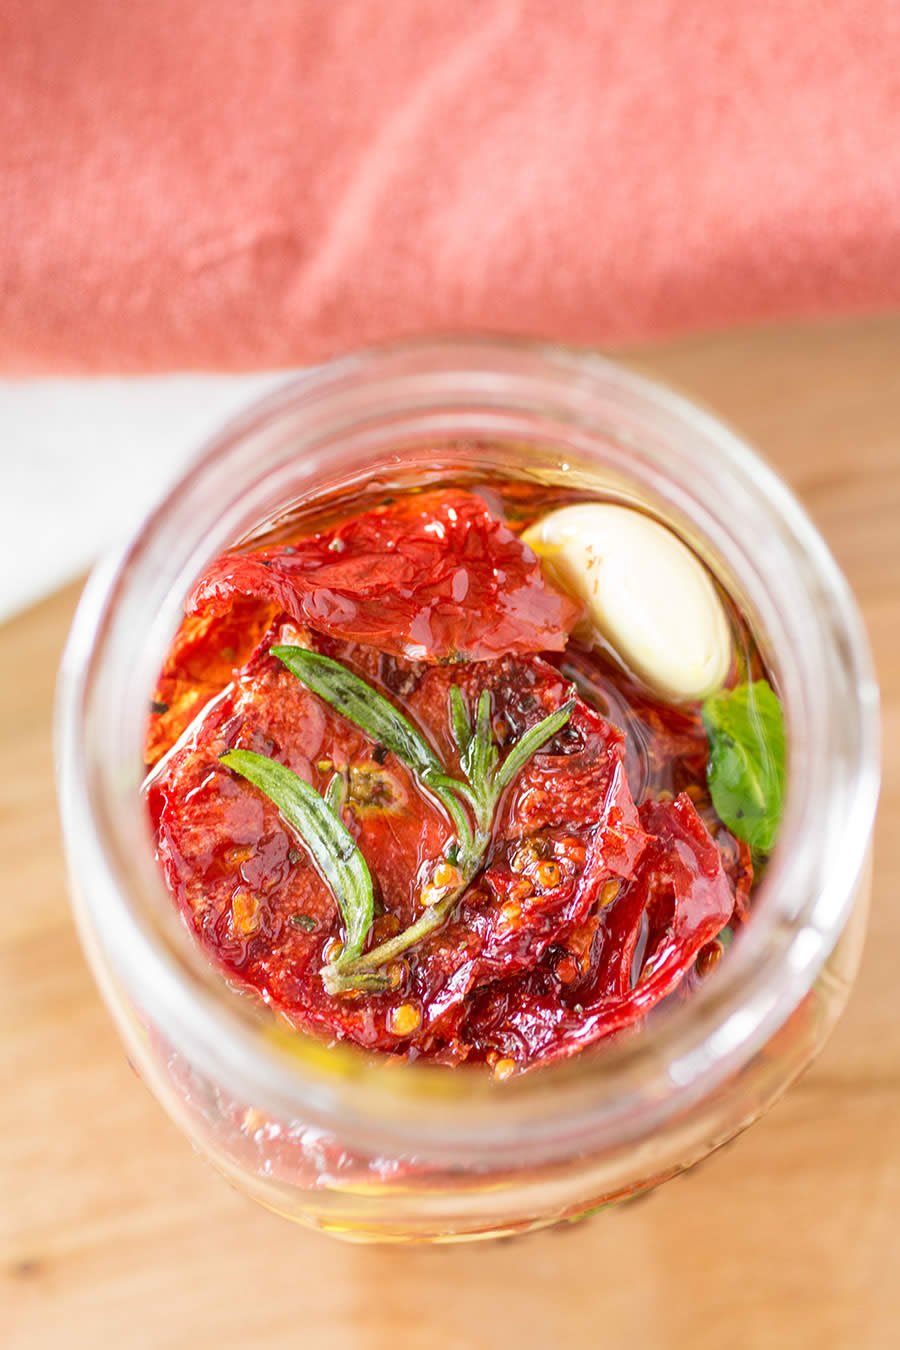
(317, 819)
(485, 779)
(480, 759)
(373, 713)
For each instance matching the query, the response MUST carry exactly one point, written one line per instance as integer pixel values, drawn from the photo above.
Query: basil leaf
(362, 705)
(746, 770)
(330, 845)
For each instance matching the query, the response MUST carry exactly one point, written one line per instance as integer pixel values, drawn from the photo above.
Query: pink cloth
(248, 183)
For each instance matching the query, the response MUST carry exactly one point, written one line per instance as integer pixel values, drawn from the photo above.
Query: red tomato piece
(206, 651)
(678, 900)
(564, 828)
(666, 751)
(431, 577)
(245, 884)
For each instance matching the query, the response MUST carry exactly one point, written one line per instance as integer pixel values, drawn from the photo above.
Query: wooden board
(115, 1234)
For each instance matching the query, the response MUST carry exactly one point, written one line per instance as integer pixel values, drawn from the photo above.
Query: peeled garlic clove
(644, 590)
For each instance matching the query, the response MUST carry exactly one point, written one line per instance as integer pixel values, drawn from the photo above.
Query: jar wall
(573, 420)
(324, 1181)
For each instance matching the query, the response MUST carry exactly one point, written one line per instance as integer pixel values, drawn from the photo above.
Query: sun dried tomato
(432, 577)
(678, 899)
(219, 840)
(588, 909)
(200, 662)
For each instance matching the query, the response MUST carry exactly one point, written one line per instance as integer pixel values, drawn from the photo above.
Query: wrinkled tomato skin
(679, 892)
(432, 577)
(207, 650)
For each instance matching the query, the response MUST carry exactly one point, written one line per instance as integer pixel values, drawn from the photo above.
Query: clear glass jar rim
(802, 908)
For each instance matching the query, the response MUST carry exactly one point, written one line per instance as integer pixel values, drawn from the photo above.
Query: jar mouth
(465, 393)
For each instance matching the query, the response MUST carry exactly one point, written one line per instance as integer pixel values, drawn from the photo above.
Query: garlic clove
(644, 590)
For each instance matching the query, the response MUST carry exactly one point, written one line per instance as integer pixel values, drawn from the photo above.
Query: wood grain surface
(114, 1234)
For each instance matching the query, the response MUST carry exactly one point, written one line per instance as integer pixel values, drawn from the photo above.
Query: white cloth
(82, 460)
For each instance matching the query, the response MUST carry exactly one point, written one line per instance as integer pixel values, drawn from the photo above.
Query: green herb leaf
(330, 845)
(480, 759)
(530, 743)
(482, 792)
(364, 973)
(459, 719)
(485, 779)
(334, 794)
(746, 771)
(443, 785)
(362, 705)
(356, 700)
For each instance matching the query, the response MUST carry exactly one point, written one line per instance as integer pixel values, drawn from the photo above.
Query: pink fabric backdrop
(247, 183)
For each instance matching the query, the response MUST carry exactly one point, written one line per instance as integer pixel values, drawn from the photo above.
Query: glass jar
(368, 1149)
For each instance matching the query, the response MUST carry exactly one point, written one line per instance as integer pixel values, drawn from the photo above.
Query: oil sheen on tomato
(608, 879)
